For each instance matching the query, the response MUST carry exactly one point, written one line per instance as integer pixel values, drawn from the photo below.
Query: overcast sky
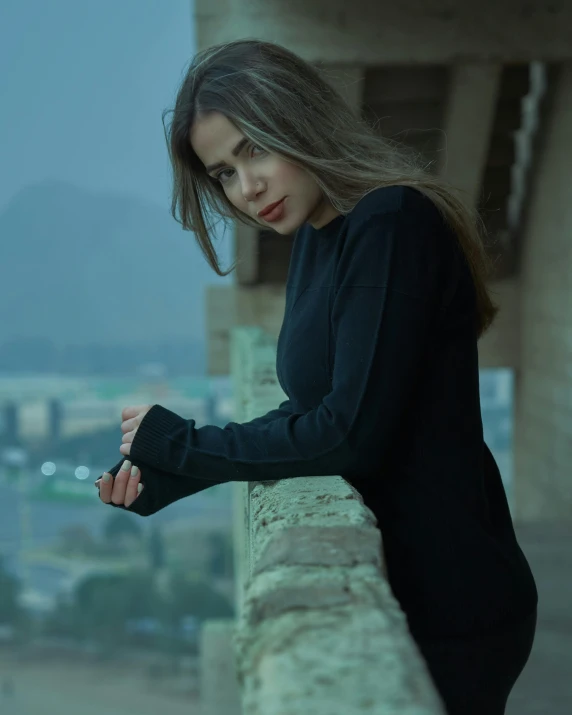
(82, 88)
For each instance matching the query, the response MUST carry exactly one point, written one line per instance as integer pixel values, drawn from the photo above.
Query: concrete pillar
(246, 240)
(543, 410)
(262, 306)
(219, 690)
(500, 345)
(469, 118)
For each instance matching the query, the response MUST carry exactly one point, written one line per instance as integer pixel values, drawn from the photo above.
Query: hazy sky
(82, 88)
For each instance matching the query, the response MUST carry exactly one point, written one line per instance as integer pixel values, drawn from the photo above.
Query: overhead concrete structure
(370, 32)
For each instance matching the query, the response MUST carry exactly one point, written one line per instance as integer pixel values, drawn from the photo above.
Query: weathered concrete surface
(320, 630)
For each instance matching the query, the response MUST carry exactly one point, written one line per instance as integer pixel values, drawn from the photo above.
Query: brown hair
(286, 106)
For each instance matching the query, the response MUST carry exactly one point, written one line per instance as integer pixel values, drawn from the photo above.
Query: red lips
(269, 208)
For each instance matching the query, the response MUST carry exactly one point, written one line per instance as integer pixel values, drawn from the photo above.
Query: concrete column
(219, 690)
(262, 306)
(246, 240)
(468, 123)
(500, 345)
(543, 411)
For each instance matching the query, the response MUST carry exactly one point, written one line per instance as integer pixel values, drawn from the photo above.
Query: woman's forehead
(213, 136)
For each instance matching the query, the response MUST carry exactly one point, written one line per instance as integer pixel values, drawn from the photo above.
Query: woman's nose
(251, 187)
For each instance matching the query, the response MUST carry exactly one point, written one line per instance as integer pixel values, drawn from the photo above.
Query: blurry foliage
(221, 560)
(102, 605)
(195, 597)
(76, 539)
(10, 611)
(121, 530)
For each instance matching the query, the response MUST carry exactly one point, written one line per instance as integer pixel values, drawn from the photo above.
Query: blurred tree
(103, 603)
(76, 539)
(156, 548)
(121, 531)
(60, 621)
(10, 611)
(195, 597)
(221, 560)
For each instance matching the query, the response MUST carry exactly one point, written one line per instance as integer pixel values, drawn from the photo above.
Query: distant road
(71, 689)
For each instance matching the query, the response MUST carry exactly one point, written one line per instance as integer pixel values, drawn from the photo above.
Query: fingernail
(139, 488)
(126, 466)
(134, 471)
(106, 477)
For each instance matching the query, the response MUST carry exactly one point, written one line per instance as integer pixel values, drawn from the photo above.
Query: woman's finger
(127, 425)
(128, 437)
(132, 491)
(122, 490)
(120, 483)
(105, 488)
(132, 411)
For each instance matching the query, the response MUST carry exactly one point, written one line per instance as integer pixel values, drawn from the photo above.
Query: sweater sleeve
(284, 409)
(383, 319)
(162, 488)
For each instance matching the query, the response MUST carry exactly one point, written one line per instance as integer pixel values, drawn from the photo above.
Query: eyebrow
(235, 152)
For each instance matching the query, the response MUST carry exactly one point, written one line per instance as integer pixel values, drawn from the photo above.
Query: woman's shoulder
(391, 199)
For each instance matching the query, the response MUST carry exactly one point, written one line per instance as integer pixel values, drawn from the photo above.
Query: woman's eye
(220, 176)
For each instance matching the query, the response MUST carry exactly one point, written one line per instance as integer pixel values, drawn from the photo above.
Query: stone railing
(318, 629)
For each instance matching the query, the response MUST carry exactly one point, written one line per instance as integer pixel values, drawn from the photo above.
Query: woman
(385, 301)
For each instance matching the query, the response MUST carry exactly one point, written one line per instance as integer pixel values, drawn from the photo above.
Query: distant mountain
(170, 358)
(82, 268)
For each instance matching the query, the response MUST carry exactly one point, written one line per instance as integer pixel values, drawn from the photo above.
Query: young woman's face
(253, 179)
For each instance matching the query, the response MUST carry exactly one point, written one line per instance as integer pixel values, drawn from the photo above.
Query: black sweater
(378, 356)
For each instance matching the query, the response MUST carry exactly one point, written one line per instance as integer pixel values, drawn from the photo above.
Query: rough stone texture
(289, 588)
(348, 660)
(321, 546)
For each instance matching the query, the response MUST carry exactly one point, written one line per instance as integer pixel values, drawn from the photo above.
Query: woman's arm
(394, 271)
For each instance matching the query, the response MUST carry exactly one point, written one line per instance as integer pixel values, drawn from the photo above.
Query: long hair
(286, 106)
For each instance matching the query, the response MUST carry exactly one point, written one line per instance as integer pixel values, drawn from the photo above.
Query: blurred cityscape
(79, 578)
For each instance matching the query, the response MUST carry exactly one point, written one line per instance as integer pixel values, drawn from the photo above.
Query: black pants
(475, 677)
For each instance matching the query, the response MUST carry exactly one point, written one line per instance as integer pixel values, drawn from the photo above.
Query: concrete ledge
(321, 546)
(320, 630)
(348, 660)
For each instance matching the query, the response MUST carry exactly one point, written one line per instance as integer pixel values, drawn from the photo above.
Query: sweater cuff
(149, 442)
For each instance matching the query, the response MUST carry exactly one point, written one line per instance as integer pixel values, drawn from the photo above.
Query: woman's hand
(124, 489)
(132, 418)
